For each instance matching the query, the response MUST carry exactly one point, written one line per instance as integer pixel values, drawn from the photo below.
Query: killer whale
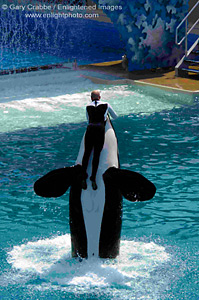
(95, 217)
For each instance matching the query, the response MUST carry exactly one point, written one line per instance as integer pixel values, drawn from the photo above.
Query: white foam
(141, 271)
(58, 96)
(52, 261)
(39, 256)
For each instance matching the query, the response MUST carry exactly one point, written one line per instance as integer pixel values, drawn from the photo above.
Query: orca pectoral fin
(133, 186)
(56, 182)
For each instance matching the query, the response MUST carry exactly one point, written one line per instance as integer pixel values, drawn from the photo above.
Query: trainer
(97, 113)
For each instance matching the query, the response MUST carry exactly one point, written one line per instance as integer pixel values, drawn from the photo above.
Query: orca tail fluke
(55, 183)
(133, 186)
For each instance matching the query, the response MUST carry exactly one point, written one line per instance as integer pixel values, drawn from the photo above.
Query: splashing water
(36, 105)
(50, 262)
(157, 135)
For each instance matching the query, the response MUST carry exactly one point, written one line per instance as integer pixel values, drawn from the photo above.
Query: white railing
(185, 20)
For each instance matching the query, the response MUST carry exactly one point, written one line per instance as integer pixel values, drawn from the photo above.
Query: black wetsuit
(95, 134)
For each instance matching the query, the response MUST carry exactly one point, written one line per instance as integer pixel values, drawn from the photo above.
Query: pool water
(13, 59)
(41, 129)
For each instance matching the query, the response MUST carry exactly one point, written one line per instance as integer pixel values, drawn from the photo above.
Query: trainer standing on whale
(95, 215)
(96, 113)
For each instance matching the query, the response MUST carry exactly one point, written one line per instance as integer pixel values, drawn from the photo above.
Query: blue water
(158, 136)
(13, 59)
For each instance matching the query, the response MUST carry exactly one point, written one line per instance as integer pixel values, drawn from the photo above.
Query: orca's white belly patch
(96, 216)
(93, 207)
(93, 201)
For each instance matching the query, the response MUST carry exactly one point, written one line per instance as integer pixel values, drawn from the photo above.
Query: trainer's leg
(88, 146)
(98, 146)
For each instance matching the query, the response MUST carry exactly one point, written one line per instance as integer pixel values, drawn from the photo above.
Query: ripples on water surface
(158, 137)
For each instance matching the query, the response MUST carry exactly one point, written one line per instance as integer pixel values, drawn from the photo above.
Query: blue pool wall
(148, 30)
(144, 30)
(82, 39)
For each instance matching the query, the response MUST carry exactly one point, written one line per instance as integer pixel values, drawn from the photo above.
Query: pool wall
(64, 38)
(148, 30)
(144, 29)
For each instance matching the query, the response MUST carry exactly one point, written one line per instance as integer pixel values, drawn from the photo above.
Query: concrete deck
(163, 78)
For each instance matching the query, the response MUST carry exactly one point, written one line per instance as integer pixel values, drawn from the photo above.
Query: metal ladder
(191, 56)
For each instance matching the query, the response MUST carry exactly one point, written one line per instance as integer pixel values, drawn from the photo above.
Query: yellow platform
(159, 77)
(107, 63)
